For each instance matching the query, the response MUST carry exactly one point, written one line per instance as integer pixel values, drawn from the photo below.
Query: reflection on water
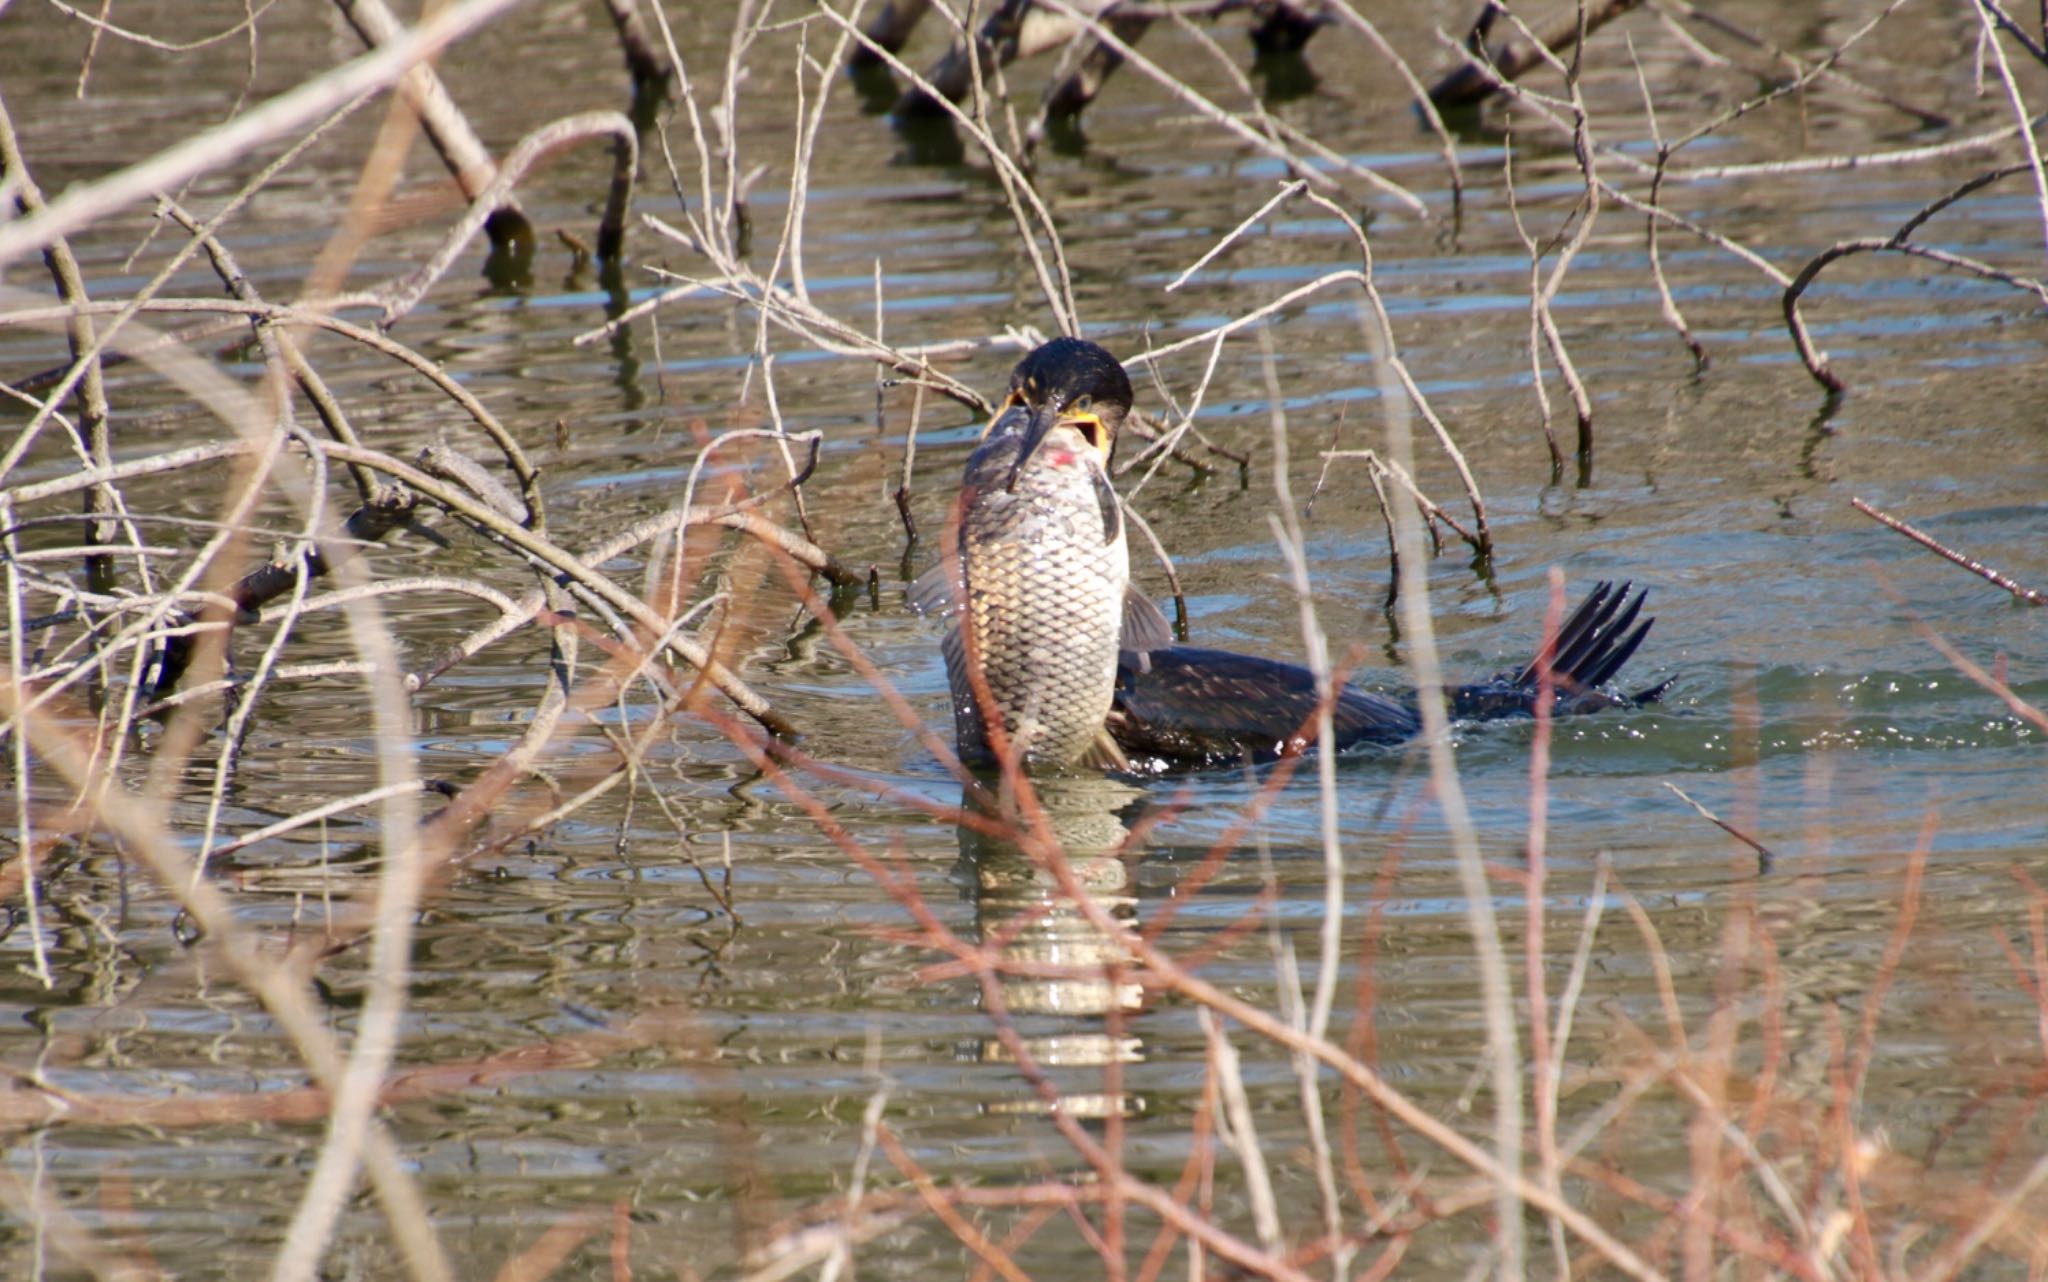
(1062, 979)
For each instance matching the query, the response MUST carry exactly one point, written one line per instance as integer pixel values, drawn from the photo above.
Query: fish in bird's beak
(1033, 424)
(1037, 422)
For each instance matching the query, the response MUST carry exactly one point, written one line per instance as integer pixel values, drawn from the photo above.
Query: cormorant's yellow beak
(1039, 421)
(1092, 429)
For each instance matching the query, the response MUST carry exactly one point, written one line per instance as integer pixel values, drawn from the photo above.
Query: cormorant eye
(1082, 404)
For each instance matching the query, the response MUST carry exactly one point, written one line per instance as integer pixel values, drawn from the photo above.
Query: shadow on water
(1284, 76)
(929, 140)
(1064, 135)
(875, 86)
(1819, 430)
(509, 265)
(626, 373)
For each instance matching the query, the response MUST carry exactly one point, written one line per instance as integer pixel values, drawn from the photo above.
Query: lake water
(625, 1046)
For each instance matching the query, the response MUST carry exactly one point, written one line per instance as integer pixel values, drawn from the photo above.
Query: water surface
(708, 1070)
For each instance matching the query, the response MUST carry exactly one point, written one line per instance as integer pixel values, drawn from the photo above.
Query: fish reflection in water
(1063, 994)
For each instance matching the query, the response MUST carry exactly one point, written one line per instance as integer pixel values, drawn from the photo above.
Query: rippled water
(707, 1070)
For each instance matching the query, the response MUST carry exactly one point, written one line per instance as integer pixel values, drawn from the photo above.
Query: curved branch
(402, 295)
(1815, 360)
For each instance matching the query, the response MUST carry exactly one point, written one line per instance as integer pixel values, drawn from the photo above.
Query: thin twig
(1978, 568)
(1764, 857)
(1503, 1059)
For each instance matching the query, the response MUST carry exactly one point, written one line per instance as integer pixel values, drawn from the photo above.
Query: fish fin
(934, 591)
(1112, 510)
(1144, 627)
(1105, 754)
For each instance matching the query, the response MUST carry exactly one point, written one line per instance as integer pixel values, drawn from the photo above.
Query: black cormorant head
(1068, 382)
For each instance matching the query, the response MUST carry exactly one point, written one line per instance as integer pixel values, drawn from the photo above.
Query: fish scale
(1044, 565)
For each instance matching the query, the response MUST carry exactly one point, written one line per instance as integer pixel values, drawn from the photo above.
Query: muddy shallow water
(709, 1074)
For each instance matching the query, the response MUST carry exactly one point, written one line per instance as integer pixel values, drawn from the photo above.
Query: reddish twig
(1978, 568)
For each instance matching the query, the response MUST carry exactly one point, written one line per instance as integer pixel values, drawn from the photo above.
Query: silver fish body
(1039, 579)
